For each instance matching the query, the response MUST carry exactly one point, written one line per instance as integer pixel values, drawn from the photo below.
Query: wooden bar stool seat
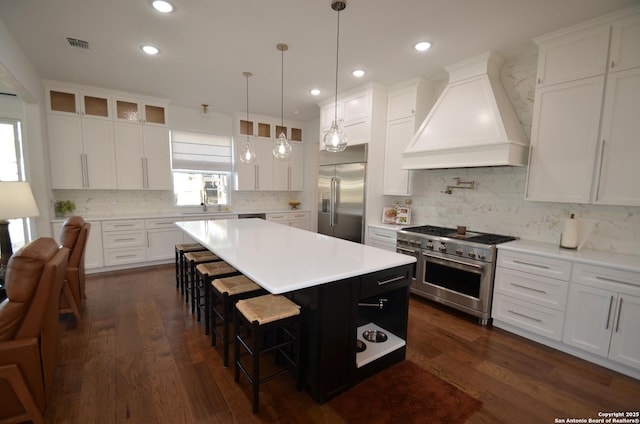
(267, 315)
(193, 259)
(205, 273)
(180, 250)
(225, 292)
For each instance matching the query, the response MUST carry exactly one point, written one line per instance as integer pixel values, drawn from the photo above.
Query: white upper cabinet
(407, 106)
(358, 109)
(579, 54)
(584, 133)
(86, 103)
(147, 111)
(625, 47)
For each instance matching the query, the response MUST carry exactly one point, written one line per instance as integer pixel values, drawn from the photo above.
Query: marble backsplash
(113, 203)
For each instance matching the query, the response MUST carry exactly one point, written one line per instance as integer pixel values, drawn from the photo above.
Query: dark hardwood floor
(137, 355)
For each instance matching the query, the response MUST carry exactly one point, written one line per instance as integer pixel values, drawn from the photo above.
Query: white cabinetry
(143, 157)
(384, 238)
(93, 250)
(293, 219)
(584, 132)
(162, 236)
(358, 110)
(124, 242)
(530, 293)
(603, 313)
(81, 148)
(407, 106)
(267, 173)
(141, 110)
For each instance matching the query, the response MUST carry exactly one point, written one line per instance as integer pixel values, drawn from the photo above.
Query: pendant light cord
(247, 77)
(335, 109)
(282, 89)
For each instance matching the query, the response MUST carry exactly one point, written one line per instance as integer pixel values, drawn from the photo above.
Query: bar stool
(261, 315)
(180, 250)
(205, 273)
(192, 259)
(225, 292)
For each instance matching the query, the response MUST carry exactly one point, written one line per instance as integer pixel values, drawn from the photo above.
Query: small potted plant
(64, 207)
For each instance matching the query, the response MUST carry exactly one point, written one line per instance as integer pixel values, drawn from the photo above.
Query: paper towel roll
(569, 237)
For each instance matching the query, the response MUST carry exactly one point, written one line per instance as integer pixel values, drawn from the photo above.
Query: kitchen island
(343, 288)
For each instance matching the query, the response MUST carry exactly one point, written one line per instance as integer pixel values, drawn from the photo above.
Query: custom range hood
(472, 123)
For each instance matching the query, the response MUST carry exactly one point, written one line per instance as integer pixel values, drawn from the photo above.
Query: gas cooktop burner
(475, 237)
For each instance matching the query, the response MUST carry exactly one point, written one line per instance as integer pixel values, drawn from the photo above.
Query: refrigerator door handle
(332, 202)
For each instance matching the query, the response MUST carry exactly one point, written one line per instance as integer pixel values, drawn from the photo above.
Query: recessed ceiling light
(162, 6)
(358, 73)
(422, 46)
(314, 92)
(149, 49)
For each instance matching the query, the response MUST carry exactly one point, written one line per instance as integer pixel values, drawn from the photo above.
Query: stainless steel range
(453, 269)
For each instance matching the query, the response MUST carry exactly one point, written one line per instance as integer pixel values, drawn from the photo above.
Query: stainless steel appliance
(453, 269)
(341, 178)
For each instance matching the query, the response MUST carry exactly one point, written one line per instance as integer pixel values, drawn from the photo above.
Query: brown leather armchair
(29, 329)
(74, 234)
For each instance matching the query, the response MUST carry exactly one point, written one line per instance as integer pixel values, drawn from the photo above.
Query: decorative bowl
(294, 204)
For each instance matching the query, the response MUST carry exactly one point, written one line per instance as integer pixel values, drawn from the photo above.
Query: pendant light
(247, 155)
(335, 139)
(282, 148)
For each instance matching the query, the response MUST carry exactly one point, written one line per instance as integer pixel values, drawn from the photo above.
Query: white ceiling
(207, 44)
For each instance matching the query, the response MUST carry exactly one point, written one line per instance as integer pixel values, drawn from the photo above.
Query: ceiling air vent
(78, 44)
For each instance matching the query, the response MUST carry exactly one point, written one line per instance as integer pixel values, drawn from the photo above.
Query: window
(12, 169)
(201, 165)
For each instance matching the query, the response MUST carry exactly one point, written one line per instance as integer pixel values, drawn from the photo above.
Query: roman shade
(195, 151)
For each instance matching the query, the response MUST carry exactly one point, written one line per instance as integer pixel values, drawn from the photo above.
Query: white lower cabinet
(293, 219)
(588, 308)
(526, 297)
(124, 242)
(162, 236)
(384, 238)
(603, 313)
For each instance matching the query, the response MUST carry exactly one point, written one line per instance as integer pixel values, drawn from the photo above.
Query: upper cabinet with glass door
(80, 102)
(129, 109)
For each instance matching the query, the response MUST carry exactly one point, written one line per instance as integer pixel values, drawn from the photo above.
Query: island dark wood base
(331, 315)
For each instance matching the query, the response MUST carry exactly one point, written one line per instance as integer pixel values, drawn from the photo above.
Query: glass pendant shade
(335, 140)
(282, 148)
(247, 155)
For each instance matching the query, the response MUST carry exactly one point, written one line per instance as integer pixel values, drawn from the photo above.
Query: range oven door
(458, 282)
(417, 266)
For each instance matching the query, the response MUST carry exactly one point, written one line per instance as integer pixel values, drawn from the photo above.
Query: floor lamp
(16, 201)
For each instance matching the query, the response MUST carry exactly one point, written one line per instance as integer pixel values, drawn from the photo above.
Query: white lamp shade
(16, 200)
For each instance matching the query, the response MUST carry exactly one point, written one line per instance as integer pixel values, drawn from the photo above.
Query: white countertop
(282, 258)
(586, 256)
(212, 212)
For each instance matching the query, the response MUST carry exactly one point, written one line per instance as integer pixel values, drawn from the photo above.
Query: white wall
(497, 203)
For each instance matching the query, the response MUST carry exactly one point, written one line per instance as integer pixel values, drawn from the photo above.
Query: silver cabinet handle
(390, 280)
(530, 264)
(609, 313)
(82, 169)
(524, 316)
(600, 170)
(619, 313)
(612, 280)
(529, 288)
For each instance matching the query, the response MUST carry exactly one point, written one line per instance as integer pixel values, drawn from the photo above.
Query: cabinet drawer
(119, 225)
(539, 265)
(542, 291)
(534, 318)
(152, 224)
(383, 234)
(118, 239)
(384, 281)
(602, 277)
(294, 216)
(125, 256)
(278, 217)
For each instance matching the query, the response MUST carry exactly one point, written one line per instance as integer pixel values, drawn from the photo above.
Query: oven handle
(449, 262)
(406, 251)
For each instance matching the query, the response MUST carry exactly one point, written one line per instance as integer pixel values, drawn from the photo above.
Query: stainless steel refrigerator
(341, 206)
